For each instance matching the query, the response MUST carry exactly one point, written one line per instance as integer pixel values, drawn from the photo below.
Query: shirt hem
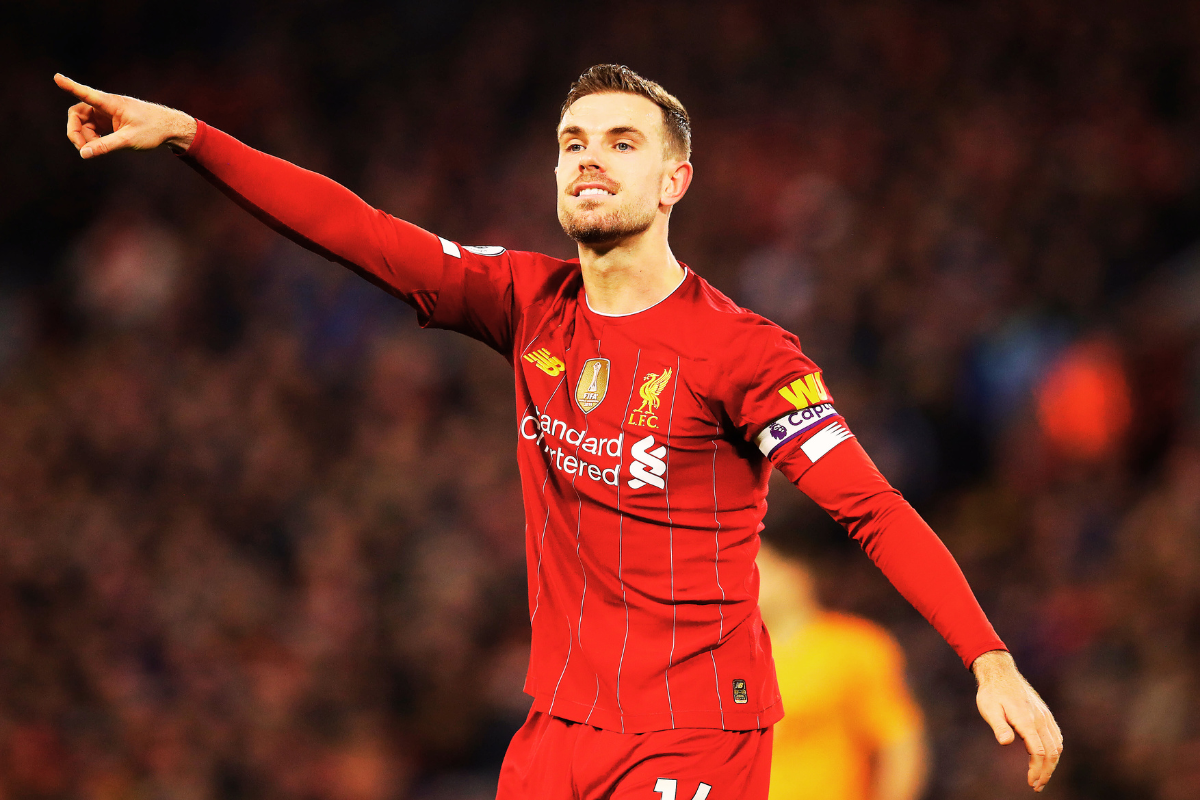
(729, 719)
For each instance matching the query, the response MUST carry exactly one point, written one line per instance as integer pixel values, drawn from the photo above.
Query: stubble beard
(618, 224)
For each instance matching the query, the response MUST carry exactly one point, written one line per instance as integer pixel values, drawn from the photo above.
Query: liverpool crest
(650, 392)
(593, 384)
(652, 388)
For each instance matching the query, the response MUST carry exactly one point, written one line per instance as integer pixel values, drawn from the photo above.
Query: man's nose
(589, 159)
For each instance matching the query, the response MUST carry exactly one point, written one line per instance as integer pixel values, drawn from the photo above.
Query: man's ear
(675, 184)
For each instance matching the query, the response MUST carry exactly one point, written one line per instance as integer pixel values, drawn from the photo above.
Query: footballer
(651, 410)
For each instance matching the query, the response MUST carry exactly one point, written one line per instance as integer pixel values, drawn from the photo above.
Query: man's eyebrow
(620, 130)
(625, 130)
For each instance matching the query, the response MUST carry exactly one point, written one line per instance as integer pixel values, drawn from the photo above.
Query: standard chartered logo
(541, 428)
(647, 467)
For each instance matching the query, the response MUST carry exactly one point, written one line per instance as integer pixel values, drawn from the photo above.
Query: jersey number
(667, 787)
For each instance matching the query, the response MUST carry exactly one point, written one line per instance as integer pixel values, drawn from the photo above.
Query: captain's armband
(797, 424)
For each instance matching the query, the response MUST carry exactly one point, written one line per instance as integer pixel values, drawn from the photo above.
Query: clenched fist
(104, 122)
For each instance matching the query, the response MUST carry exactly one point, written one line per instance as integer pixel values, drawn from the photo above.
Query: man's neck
(631, 275)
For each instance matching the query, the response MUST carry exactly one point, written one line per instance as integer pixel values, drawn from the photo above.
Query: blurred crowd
(260, 536)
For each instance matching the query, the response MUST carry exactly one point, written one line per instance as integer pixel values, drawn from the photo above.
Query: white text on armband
(790, 426)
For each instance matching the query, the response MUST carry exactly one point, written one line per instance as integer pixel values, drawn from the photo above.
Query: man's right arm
(308, 208)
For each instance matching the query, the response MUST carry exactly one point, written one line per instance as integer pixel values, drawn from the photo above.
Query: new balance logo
(647, 468)
(546, 362)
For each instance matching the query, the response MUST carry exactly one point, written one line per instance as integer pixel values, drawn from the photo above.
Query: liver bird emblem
(651, 389)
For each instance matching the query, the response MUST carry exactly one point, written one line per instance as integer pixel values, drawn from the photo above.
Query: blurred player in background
(852, 729)
(651, 410)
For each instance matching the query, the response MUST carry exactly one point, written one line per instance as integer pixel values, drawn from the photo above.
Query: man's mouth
(593, 190)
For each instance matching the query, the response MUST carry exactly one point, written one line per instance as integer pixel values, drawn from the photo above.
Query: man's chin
(596, 235)
(601, 230)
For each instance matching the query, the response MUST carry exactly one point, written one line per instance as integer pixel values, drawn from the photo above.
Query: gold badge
(650, 392)
(547, 363)
(593, 384)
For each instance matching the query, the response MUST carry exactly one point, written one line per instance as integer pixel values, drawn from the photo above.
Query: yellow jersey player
(851, 730)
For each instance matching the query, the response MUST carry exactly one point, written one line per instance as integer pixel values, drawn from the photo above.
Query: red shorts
(553, 759)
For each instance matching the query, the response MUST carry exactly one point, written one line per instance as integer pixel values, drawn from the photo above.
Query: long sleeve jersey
(645, 444)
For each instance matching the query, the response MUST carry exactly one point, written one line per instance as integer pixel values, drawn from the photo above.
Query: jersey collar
(669, 295)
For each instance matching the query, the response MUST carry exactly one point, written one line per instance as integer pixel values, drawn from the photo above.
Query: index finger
(85, 93)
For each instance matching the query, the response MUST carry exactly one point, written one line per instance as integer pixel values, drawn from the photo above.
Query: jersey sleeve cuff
(969, 656)
(198, 142)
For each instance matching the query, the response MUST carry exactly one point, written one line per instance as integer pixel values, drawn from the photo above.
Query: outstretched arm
(850, 488)
(308, 208)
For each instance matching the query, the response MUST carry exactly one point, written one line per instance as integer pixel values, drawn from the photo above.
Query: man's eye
(624, 147)
(574, 147)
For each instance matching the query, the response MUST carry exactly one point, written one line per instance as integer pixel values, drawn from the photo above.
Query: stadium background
(261, 537)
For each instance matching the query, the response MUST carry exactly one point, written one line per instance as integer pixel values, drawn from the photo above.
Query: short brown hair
(615, 78)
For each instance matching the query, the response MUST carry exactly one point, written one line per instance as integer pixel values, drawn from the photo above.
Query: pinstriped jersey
(641, 449)
(642, 446)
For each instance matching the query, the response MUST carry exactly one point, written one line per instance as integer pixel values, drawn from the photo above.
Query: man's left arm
(846, 483)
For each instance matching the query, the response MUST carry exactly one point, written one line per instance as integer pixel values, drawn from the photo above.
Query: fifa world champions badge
(592, 384)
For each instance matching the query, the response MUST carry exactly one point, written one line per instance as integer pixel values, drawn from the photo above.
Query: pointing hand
(102, 122)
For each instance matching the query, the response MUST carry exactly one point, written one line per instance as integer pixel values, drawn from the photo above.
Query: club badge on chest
(651, 390)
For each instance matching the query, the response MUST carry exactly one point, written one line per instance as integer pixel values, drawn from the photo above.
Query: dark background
(261, 538)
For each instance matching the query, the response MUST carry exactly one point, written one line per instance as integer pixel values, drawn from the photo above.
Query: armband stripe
(789, 426)
(450, 248)
(825, 440)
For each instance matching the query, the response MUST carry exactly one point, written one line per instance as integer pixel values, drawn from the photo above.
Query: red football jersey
(644, 491)
(644, 445)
